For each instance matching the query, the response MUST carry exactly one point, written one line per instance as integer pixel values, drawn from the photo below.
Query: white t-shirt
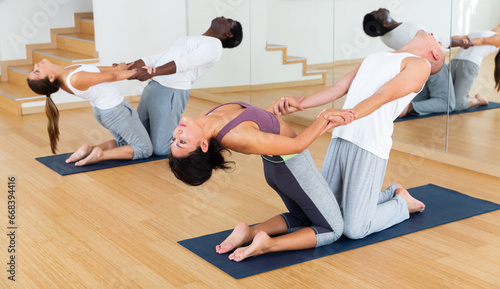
(374, 131)
(103, 95)
(406, 31)
(476, 54)
(193, 56)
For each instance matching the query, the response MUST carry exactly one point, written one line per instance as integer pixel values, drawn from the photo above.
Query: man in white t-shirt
(172, 73)
(434, 97)
(356, 160)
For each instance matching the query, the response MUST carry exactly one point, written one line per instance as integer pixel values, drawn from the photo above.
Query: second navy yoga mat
(490, 105)
(57, 163)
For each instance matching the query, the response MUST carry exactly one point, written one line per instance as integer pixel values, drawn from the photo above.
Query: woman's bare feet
(413, 204)
(481, 100)
(237, 238)
(257, 247)
(94, 157)
(79, 154)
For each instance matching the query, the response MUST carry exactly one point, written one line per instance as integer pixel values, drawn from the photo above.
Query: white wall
(304, 26)
(126, 30)
(29, 22)
(470, 15)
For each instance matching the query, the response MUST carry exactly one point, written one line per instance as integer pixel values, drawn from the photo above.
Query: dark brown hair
(44, 86)
(496, 73)
(197, 167)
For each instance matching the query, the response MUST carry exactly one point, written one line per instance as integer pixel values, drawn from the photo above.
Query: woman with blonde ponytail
(109, 106)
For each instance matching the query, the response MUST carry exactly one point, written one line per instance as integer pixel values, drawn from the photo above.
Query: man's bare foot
(481, 100)
(94, 157)
(413, 204)
(80, 153)
(256, 248)
(237, 238)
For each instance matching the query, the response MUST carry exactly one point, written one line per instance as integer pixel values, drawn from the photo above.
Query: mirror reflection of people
(110, 109)
(434, 97)
(314, 217)
(465, 66)
(173, 73)
(355, 163)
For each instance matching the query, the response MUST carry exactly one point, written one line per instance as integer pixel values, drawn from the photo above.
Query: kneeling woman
(110, 109)
(314, 217)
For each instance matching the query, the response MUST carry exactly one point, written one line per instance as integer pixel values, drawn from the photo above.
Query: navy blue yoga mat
(490, 105)
(57, 164)
(441, 206)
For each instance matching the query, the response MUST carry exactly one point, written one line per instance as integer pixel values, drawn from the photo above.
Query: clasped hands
(335, 117)
(142, 72)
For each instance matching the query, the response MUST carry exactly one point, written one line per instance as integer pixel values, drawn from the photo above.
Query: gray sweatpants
(124, 124)
(160, 110)
(355, 177)
(463, 73)
(434, 96)
(306, 195)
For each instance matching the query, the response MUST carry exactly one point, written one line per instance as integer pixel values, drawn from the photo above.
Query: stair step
(295, 59)
(19, 73)
(77, 42)
(18, 93)
(62, 57)
(315, 71)
(87, 25)
(287, 59)
(270, 46)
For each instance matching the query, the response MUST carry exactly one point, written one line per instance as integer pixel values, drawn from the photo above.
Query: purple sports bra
(267, 121)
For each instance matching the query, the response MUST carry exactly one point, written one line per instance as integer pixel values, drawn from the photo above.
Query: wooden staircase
(68, 46)
(287, 59)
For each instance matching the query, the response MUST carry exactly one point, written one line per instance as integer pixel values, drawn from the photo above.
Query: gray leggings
(306, 195)
(355, 177)
(463, 73)
(160, 110)
(124, 124)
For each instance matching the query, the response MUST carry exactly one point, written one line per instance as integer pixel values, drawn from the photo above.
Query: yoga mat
(490, 105)
(57, 164)
(441, 206)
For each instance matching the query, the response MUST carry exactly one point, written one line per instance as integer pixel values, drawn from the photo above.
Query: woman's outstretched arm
(253, 141)
(83, 80)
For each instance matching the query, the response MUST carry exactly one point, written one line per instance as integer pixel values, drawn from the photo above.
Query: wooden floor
(118, 228)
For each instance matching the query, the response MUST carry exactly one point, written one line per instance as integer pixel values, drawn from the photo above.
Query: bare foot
(256, 248)
(235, 239)
(481, 100)
(94, 157)
(80, 153)
(413, 204)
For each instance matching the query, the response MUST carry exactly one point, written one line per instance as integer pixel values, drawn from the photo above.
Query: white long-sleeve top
(193, 56)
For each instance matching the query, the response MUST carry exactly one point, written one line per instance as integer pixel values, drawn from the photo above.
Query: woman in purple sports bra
(314, 218)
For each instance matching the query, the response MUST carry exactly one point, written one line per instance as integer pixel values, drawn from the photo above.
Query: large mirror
(286, 55)
(352, 44)
(476, 134)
